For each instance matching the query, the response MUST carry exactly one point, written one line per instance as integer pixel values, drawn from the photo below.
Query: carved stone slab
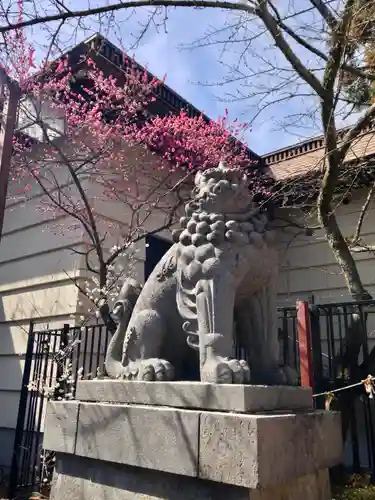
(249, 451)
(61, 426)
(161, 439)
(259, 451)
(197, 395)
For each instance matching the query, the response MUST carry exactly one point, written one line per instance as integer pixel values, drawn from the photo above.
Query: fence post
(61, 361)
(316, 346)
(19, 434)
(304, 342)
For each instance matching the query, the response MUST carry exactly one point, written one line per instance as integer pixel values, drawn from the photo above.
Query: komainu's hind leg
(142, 347)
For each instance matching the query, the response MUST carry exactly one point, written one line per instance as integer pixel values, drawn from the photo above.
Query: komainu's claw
(155, 369)
(225, 371)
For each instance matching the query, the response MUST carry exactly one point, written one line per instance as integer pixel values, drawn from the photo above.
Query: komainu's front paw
(220, 370)
(149, 370)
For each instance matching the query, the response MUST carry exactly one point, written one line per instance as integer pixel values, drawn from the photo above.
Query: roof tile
(303, 158)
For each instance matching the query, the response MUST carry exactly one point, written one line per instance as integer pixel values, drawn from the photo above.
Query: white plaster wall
(308, 266)
(34, 263)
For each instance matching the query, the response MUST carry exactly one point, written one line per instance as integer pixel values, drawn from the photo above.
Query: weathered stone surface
(61, 426)
(78, 478)
(264, 450)
(295, 445)
(222, 397)
(310, 487)
(154, 438)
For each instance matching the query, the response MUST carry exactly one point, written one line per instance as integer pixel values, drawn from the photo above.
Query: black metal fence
(343, 348)
(343, 353)
(288, 337)
(54, 361)
(343, 339)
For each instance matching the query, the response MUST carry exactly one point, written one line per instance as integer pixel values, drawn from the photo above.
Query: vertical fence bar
(76, 356)
(295, 344)
(304, 342)
(99, 350)
(106, 342)
(331, 341)
(64, 339)
(371, 443)
(35, 448)
(13, 479)
(316, 346)
(25, 476)
(285, 338)
(91, 353)
(85, 352)
(329, 346)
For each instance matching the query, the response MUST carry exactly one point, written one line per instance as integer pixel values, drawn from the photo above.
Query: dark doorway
(156, 247)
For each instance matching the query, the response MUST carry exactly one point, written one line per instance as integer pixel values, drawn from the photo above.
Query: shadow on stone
(77, 477)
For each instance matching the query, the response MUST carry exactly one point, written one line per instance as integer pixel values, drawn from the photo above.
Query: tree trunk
(345, 259)
(326, 215)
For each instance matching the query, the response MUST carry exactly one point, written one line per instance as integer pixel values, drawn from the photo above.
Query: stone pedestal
(126, 440)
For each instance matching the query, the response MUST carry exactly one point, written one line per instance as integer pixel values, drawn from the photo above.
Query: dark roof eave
(167, 96)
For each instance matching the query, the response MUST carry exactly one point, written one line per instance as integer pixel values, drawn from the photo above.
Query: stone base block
(125, 441)
(197, 395)
(78, 478)
(252, 451)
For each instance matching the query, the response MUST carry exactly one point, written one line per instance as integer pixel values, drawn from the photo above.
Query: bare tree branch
(274, 30)
(325, 12)
(113, 7)
(363, 214)
(354, 131)
(308, 46)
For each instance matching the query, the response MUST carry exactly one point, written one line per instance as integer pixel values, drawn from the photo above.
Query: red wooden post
(304, 341)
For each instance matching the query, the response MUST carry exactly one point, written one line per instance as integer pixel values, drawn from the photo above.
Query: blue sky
(162, 53)
(187, 69)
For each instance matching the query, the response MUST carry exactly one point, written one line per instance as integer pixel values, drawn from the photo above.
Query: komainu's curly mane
(221, 210)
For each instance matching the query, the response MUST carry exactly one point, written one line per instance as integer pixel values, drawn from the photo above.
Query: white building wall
(308, 266)
(34, 263)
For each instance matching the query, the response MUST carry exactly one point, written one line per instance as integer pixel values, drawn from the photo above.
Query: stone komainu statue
(220, 272)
